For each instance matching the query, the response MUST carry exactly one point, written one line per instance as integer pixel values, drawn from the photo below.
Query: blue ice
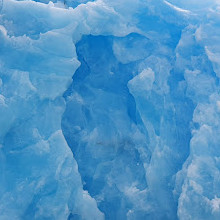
(109, 110)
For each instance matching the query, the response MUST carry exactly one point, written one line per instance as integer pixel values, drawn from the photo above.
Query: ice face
(39, 176)
(109, 109)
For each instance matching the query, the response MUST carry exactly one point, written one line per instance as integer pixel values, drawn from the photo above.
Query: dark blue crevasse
(108, 139)
(97, 125)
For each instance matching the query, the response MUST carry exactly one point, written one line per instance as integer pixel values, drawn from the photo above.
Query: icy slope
(109, 109)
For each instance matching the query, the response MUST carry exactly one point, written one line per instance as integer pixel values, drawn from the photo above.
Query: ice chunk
(39, 177)
(143, 82)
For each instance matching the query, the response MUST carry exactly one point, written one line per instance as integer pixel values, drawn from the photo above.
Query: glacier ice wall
(109, 109)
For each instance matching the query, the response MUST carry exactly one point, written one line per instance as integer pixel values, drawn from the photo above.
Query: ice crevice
(107, 121)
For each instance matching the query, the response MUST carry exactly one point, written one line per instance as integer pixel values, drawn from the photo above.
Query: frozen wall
(109, 110)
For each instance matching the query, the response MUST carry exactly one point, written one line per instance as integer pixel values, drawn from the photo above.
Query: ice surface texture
(109, 110)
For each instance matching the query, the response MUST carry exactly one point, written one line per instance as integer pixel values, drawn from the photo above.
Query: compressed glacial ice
(109, 110)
